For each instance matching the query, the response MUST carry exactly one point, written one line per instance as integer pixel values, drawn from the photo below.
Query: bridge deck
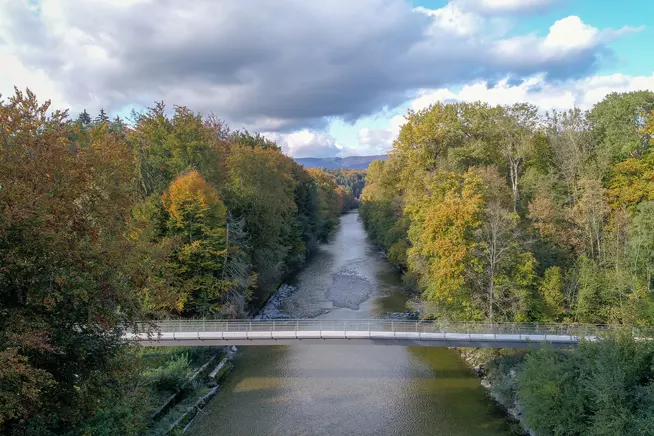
(360, 332)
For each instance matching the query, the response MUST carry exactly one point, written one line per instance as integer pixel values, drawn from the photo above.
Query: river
(349, 389)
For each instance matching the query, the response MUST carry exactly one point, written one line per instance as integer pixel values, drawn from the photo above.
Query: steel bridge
(362, 332)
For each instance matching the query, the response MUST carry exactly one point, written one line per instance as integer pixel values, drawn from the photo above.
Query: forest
(104, 223)
(513, 214)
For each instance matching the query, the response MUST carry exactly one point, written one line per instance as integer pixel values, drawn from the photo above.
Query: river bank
(497, 370)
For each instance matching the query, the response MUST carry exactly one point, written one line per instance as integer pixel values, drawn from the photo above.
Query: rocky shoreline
(500, 384)
(272, 308)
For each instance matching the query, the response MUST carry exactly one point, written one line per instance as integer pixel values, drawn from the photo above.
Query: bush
(173, 375)
(603, 388)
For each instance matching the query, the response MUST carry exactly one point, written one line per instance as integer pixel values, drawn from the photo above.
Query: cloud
(306, 143)
(506, 6)
(379, 141)
(15, 73)
(453, 19)
(374, 141)
(269, 66)
(572, 48)
(581, 93)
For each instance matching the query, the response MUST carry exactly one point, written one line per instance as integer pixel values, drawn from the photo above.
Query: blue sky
(323, 78)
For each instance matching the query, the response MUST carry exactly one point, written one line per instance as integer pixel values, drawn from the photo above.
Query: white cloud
(453, 19)
(570, 32)
(567, 37)
(14, 73)
(374, 141)
(582, 93)
(378, 141)
(306, 143)
(506, 6)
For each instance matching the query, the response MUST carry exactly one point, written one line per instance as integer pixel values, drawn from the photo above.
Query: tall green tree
(64, 289)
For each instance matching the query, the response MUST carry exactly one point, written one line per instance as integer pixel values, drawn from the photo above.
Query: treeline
(353, 181)
(104, 223)
(506, 214)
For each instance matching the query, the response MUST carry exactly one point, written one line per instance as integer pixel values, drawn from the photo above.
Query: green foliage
(618, 123)
(353, 181)
(641, 244)
(552, 290)
(331, 200)
(604, 388)
(172, 376)
(501, 214)
(243, 137)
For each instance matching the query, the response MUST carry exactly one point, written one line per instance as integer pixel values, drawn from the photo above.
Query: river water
(349, 389)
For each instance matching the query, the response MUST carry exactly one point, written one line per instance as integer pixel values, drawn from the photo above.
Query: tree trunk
(491, 290)
(514, 165)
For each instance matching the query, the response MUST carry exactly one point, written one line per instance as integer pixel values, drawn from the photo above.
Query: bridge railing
(579, 330)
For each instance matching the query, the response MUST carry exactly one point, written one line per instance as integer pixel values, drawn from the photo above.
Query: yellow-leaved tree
(197, 217)
(443, 219)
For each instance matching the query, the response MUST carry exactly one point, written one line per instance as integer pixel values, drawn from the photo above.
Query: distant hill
(332, 163)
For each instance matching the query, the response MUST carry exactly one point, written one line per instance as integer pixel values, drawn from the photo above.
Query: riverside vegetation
(103, 223)
(506, 214)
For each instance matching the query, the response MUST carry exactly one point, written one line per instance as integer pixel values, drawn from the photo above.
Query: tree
(197, 216)
(592, 299)
(618, 124)
(604, 388)
(103, 224)
(261, 190)
(552, 292)
(330, 197)
(165, 148)
(118, 126)
(572, 144)
(102, 118)
(589, 213)
(237, 269)
(641, 244)
(632, 181)
(497, 239)
(243, 137)
(443, 219)
(84, 118)
(65, 292)
(519, 133)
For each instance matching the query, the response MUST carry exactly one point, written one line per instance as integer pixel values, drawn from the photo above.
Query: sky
(323, 78)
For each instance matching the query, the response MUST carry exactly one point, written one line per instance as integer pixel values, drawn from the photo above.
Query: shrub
(173, 375)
